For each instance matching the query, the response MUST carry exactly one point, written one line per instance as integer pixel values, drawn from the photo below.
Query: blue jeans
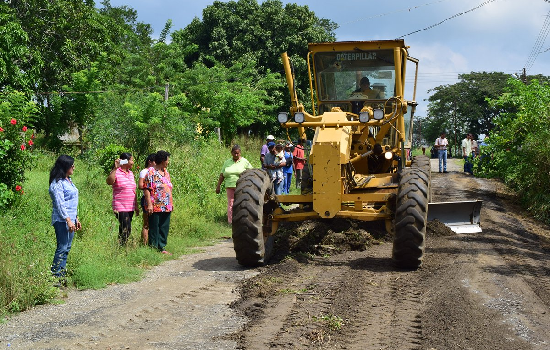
(64, 241)
(468, 166)
(288, 180)
(442, 155)
(278, 187)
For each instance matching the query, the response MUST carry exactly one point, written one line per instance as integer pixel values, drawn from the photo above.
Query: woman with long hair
(64, 195)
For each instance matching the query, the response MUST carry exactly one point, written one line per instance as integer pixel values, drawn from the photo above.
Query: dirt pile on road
(327, 237)
(437, 228)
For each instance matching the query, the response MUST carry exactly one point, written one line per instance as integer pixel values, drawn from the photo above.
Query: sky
(448, 37)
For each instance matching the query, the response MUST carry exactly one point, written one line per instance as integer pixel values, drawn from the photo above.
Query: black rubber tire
(306, 186)
(423, 163)
(250, 210)
(411, 217)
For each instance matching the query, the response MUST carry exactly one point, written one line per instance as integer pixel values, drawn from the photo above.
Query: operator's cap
(270, 137)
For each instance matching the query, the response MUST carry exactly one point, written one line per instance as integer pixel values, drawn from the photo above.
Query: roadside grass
(96, 259)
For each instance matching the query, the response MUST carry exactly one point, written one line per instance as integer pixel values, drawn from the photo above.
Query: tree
(234, 29)
(231, 98)
(16, 68)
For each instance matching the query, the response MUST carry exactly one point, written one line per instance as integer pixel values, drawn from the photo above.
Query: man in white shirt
(441, 146)
(467, 154)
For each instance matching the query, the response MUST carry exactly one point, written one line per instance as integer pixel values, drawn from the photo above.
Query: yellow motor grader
(359, 165)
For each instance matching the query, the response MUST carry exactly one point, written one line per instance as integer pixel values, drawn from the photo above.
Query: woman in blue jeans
(64, 195)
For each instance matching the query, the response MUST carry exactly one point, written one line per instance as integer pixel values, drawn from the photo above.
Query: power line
(541, 39)
(449, 18)
(408, 9)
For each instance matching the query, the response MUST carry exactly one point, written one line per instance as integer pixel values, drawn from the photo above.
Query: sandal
(166, 252)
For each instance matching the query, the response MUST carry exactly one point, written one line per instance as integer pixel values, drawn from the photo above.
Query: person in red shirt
(299, 162)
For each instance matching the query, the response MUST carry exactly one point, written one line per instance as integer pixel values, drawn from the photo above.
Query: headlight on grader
(299, 117)
(378, 114)
(364, 117)
(282, 117)
(388, 155)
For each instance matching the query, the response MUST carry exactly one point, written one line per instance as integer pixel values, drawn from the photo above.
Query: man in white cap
(264, 151)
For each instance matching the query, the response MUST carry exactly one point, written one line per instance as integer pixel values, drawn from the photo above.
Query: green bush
(519, 146)
(16, 141)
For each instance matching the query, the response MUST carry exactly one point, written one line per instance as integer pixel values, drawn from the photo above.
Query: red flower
(13, 121)
(31, 143)
(1, 129)
(32, 136)
(24, 128)
(18, 188)
(23, 147)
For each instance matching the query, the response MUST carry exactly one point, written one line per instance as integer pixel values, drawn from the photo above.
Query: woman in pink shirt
(124, 195)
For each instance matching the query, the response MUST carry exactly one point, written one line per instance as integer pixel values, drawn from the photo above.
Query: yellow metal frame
(335, 132)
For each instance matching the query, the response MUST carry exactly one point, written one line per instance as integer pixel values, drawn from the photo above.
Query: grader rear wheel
(251, 210)
(411, 217)
(306, 187)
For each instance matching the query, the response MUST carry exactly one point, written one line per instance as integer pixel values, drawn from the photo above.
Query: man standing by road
(467, 154)
(441, 146)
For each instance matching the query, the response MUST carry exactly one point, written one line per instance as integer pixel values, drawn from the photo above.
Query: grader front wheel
(251, 210)
(411, 217)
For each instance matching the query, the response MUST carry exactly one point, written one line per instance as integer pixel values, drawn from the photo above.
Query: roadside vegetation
(103, 84)
(96, 259)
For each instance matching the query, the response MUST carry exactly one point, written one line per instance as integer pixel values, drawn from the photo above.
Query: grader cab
(359, 165)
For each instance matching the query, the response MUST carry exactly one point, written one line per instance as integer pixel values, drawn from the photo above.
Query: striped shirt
(64, 195)
(124, 191)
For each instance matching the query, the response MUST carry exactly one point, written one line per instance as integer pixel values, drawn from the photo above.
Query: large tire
(306, 186)
(251, 209)
(423, 163)
(411, 217)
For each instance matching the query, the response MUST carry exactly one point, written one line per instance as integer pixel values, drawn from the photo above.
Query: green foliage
(231, 98)
(106, 156)
(15, 68)
(519, 145)
(230, 31)
(16, 118)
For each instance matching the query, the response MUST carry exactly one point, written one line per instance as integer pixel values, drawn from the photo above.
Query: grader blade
(460, 217)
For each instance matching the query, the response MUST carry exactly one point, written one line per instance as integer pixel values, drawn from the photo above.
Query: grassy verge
(96, 259)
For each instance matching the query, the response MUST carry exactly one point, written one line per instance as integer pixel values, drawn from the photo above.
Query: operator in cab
(365, 91)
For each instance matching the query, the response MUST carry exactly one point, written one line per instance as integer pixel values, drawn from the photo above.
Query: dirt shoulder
(332, 286)
(182, 304)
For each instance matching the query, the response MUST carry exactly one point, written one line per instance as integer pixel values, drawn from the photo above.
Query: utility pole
(524, 76)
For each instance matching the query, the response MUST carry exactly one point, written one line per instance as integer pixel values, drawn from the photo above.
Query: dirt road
(475, 291)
